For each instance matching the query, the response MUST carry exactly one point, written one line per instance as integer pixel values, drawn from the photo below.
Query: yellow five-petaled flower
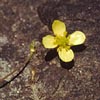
(62, 41)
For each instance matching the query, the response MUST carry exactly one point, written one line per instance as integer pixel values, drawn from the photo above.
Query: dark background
(22, 21)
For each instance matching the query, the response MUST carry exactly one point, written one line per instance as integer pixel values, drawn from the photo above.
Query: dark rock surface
(22, 21)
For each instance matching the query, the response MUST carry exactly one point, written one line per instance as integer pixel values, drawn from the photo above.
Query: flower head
(62, 41)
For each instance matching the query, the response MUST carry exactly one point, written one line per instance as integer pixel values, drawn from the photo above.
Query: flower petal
(65, 55)
(59, 28)
(76, 38)
(49, 41)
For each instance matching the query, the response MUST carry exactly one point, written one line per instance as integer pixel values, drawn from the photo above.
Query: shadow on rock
(48, 12)
(51, 54)
(67, 65)
(78, 48)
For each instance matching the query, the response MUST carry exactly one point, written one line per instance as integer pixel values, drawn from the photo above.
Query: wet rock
(22, 21)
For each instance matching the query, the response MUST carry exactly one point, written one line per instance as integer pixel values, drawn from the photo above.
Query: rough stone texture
(22, 21)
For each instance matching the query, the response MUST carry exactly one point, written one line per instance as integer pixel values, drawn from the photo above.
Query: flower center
(62, 41)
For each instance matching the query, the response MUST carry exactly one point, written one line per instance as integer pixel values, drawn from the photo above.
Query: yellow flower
(62, 41)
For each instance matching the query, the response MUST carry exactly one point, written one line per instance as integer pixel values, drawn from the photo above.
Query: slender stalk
(19, 69)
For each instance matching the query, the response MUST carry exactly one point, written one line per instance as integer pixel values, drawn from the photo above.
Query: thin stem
(20, 69)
